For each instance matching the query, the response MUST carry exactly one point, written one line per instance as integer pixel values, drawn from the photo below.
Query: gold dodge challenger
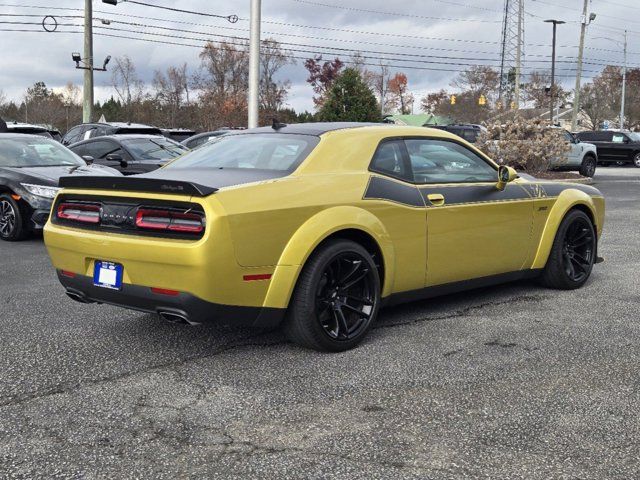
(314, 227)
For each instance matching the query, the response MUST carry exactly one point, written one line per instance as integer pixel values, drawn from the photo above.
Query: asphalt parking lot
(510, 382)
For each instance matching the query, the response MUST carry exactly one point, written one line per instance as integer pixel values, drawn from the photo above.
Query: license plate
(108, 275)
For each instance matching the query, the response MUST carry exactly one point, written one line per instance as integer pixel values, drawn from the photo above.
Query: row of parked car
(33, 158)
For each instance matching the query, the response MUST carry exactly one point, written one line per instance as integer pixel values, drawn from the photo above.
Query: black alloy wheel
(336, 299)
(578, 250)
(346, 296)
(573, 253)
(7, 219)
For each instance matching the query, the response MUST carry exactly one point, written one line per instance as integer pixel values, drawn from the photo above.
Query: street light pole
(552, 91)
(87, 91)
(254, 63)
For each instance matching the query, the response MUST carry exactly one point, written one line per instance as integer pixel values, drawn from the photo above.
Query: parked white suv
(582, 157)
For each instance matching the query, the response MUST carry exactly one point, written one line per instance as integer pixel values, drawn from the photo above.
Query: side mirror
(116, 157)
(88, 159)
(505, 175)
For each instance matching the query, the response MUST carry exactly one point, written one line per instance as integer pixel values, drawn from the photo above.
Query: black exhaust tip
(176, 317)
(78, 296)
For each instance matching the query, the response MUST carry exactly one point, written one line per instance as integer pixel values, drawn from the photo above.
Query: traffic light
(482, 100)
(453, 99)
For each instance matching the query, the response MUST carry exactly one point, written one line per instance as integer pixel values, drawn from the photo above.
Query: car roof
(12, 135)
(15, 125)
(314, 128)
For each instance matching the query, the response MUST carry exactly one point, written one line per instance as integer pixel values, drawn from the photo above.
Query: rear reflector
(169, 220)
(164, 291)
(258, 276)
(68, 274)
(79, 212)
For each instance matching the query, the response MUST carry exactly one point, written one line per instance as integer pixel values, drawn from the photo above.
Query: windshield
(634, 136)
(160, 148)
(270, 151)
(36, 152)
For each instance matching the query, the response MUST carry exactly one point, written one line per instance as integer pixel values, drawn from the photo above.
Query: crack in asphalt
(63, 389)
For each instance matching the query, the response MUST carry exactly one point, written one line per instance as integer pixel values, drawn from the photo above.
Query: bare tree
(171, 91)
(273, 92)
(126, 82)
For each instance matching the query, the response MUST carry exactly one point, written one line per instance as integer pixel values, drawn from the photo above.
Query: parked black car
(614, 146)
(91, 130)
(130, 154)
(468, 131)
(178, 134)
(30, 168)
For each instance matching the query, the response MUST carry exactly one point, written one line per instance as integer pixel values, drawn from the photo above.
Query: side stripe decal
(380, 188)
(461, 194)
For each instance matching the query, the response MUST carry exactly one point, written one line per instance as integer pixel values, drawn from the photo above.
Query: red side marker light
(164, 291)
(258, 276)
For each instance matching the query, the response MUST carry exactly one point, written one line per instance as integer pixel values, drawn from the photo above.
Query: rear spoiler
(134, 184)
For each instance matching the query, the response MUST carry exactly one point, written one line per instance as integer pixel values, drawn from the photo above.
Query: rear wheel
(12, 224)
(636, 159)
(588, 167)
(572, 254)
(336, 299)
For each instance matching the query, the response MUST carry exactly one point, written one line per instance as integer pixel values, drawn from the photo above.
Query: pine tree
(350, 100)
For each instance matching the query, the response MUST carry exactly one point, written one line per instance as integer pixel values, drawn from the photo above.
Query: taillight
(168, 220)
(79, 212)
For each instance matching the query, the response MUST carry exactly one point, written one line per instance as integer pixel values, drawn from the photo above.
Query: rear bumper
(190, 307)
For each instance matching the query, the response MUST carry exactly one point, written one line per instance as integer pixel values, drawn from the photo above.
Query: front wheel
(336, 299)
(636, 160)
(572, 254)
(588, 167)
(12, 225)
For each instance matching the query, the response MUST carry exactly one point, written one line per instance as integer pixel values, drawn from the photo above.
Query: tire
(12, 220)
(588, 167)
(336, 299)
(573, 253)
(636, 159)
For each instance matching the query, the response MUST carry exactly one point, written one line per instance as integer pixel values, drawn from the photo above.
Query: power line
(396, 14)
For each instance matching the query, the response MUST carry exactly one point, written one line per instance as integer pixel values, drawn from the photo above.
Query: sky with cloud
(429, 40)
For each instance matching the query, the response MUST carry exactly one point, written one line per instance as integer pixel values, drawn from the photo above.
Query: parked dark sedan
(614, 146)
(92, 130)
(130, 154)
(178, 134)
(30, 169)
(201, 138)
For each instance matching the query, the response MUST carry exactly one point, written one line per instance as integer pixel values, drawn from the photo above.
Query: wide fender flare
(567, 200)
(313, 232)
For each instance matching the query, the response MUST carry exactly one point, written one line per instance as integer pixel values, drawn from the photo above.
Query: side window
(72, 136)
(440, 161)
(100, 149)
(605, 136)
(618, 138)
(389, 160)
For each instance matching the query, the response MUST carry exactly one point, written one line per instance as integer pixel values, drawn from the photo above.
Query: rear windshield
(159, 148)
(269, 151)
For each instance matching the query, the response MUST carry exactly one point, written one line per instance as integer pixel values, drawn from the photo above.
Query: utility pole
(87, 91)
(576, 96)
(552, 90)
(624, 82)
(520, 40)
(254, 63)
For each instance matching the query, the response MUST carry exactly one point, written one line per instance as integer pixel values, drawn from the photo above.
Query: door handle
(436, 199)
